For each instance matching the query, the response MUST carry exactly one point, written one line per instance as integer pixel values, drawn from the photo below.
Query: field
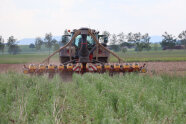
(170, 61)
(155, 97)
(130, 56)
(153, 56)
(93, 98)
(24, 58)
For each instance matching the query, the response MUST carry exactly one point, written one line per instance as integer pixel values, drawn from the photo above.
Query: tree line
(116, 42)
(130, 40)
(13, 48)
(170, 41)
(121, 41)
(49, 42)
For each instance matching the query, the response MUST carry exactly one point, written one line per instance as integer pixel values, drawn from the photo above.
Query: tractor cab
(89, 40)
(83, 48)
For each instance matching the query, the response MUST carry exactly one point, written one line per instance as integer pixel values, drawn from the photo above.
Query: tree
(56, 46)
(113, 40)
(169, 41)
(113, 43)
(2, 45)
(11, 44)
(182, 38)
(146, 41)
(16, 49)
(32, 46)
(38, 43)
(130, 37)
(121, 38)
(130, 41)
(13, 48)
(138, 40)
(123, 44)
(49, 42)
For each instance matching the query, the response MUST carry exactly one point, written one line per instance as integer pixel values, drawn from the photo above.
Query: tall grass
(92, 98)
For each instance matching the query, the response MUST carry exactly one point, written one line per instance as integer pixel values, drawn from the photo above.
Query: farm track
(178, 68)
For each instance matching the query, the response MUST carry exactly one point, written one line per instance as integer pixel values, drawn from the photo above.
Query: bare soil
(11, 67)
(172, 68)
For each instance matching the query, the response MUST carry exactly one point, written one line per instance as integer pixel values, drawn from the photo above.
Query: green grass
(93, 98)
(26, 50)
(130, 56)
(24, 58)
(152, 56)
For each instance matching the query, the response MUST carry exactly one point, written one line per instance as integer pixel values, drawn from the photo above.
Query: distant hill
(28, 41)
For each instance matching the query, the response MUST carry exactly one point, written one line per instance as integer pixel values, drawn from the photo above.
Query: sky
(33, 18)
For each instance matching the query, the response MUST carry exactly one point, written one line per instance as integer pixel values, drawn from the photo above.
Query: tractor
(84, 53)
